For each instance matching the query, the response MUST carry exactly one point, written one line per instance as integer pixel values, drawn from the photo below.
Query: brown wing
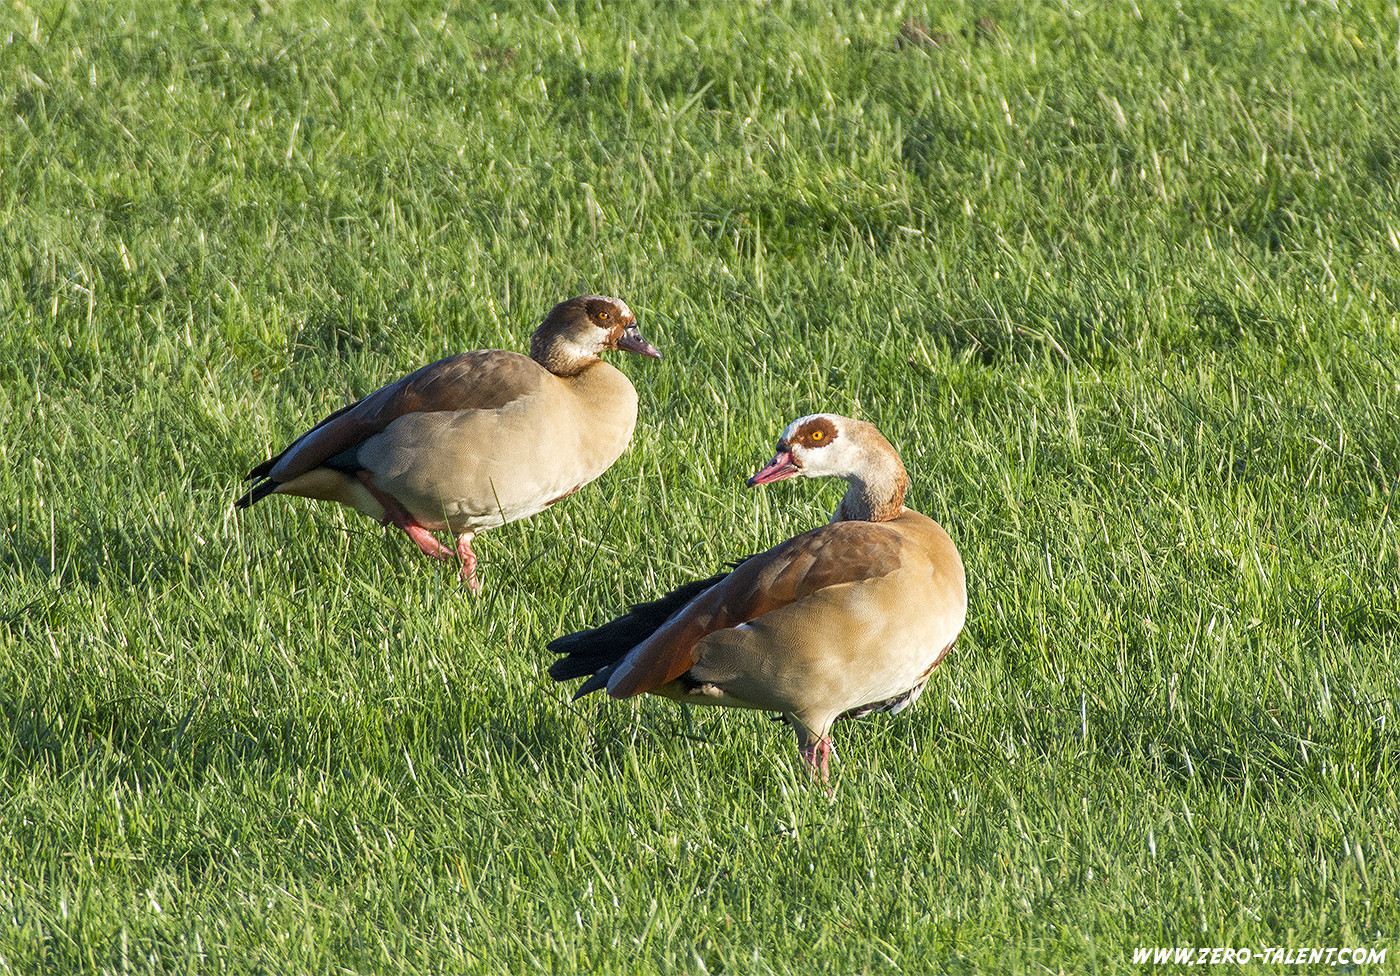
(483, 380)
(843, 552)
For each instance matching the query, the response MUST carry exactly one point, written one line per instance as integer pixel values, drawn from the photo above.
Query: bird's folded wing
(483, 380)
(843, 552)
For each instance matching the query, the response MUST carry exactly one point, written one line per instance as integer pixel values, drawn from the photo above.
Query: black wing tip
(568, 668)
(595, 653)
(596, 682)
(262, 469)
(256, 494)
(563, 645)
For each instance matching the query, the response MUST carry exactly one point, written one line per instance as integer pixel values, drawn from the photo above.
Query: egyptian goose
(847, 619)
(478, 439)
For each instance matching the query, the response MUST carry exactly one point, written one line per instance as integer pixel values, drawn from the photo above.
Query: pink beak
(782, 466)
(632, 341)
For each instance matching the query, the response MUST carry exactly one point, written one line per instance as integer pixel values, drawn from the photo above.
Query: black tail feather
(256, 493)
(596, 652)
(264, 468)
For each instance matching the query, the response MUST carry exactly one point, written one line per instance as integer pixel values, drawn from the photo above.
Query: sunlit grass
(1120, 284)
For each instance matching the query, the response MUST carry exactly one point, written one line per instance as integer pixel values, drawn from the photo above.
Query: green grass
(1120, 282)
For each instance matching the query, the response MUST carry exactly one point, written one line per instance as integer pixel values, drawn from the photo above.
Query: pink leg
(815, 755)
(395, 514)
(468, 570)
(424, 540)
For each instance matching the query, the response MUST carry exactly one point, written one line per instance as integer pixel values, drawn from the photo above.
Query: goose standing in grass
(478, 439)
(838, 622)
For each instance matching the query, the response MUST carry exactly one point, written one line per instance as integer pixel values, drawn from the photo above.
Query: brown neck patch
(565, 364)
(554, 345)
(876, 494)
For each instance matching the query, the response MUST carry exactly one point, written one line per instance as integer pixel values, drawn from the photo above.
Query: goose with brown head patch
(478, 439)
(843, 620)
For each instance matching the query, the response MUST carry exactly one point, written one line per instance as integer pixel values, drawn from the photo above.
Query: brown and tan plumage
(840, 621)
(478, 439)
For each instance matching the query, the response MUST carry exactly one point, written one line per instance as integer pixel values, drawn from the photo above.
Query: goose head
(576, 332)
(827, 445)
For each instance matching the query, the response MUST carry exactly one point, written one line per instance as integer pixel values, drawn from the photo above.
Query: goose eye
(603, 316)
(818, 434)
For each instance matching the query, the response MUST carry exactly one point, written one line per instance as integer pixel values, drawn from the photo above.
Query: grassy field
(1122, 282)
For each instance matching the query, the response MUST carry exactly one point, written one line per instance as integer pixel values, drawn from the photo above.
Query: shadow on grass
(1005, 326)
(1257, 748)
(141, 739)
(346, 333)
(134, 740)
(96, 552)
(782, 219)
(1225, 323)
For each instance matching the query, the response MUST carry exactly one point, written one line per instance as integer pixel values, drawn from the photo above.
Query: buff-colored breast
(474, 469)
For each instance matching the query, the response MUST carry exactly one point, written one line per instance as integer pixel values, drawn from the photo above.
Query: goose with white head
(478, 439)
(838, 622)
